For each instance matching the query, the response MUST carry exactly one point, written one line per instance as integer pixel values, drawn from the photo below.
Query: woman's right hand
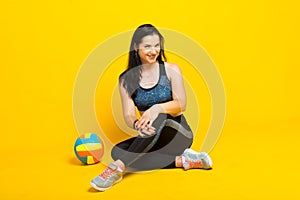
(147, 130)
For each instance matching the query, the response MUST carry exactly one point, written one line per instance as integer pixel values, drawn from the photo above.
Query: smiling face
(149, 49)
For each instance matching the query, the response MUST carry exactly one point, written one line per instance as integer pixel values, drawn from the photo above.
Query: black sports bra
(160, 93)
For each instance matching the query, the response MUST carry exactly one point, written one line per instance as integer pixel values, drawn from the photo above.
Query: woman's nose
(153, 50)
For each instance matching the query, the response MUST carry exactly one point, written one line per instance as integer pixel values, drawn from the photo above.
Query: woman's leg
(159, 151)
(172, 138)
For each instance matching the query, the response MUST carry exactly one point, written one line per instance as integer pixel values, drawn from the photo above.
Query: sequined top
(159, 93)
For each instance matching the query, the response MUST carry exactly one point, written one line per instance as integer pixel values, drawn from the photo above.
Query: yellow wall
(254, 44)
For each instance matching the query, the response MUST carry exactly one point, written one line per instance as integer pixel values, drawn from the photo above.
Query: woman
(156, 88)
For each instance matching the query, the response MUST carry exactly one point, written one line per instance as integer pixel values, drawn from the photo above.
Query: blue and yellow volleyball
(89, 148)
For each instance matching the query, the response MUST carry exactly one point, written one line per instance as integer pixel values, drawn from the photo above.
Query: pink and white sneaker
(110, 176)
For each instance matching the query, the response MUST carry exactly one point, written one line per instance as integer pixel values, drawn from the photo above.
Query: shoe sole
(103, 189)
(210, 163)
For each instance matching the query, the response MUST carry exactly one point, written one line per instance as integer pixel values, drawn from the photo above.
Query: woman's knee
(159, 120)
(115, 152)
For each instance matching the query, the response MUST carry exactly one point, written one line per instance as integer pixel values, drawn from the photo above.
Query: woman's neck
(149, 67)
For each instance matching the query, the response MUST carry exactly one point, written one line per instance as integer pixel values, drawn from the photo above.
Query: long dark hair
(131, 77)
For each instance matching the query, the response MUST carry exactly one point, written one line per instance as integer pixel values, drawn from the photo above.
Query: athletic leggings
(173, 136)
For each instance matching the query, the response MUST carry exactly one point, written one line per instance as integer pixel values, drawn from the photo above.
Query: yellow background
(255, 45)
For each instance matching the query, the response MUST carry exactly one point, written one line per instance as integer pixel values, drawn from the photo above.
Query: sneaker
(192, 159)
(110, 176)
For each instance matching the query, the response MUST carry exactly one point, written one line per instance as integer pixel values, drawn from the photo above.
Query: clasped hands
(144, 124)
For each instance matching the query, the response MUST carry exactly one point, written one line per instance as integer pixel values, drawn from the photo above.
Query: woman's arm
(128, 107)
(129, 113)
(178, 104)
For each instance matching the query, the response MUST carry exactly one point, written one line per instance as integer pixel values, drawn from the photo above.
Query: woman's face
(149, 49)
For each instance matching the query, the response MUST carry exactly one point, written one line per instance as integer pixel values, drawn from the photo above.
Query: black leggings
(173, 136)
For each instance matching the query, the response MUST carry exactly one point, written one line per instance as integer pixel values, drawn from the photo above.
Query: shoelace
(108, 172)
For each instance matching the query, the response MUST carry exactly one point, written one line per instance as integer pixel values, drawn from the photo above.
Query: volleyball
(89, 148)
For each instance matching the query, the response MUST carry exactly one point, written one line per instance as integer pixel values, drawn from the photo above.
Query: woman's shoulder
(172, 68)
